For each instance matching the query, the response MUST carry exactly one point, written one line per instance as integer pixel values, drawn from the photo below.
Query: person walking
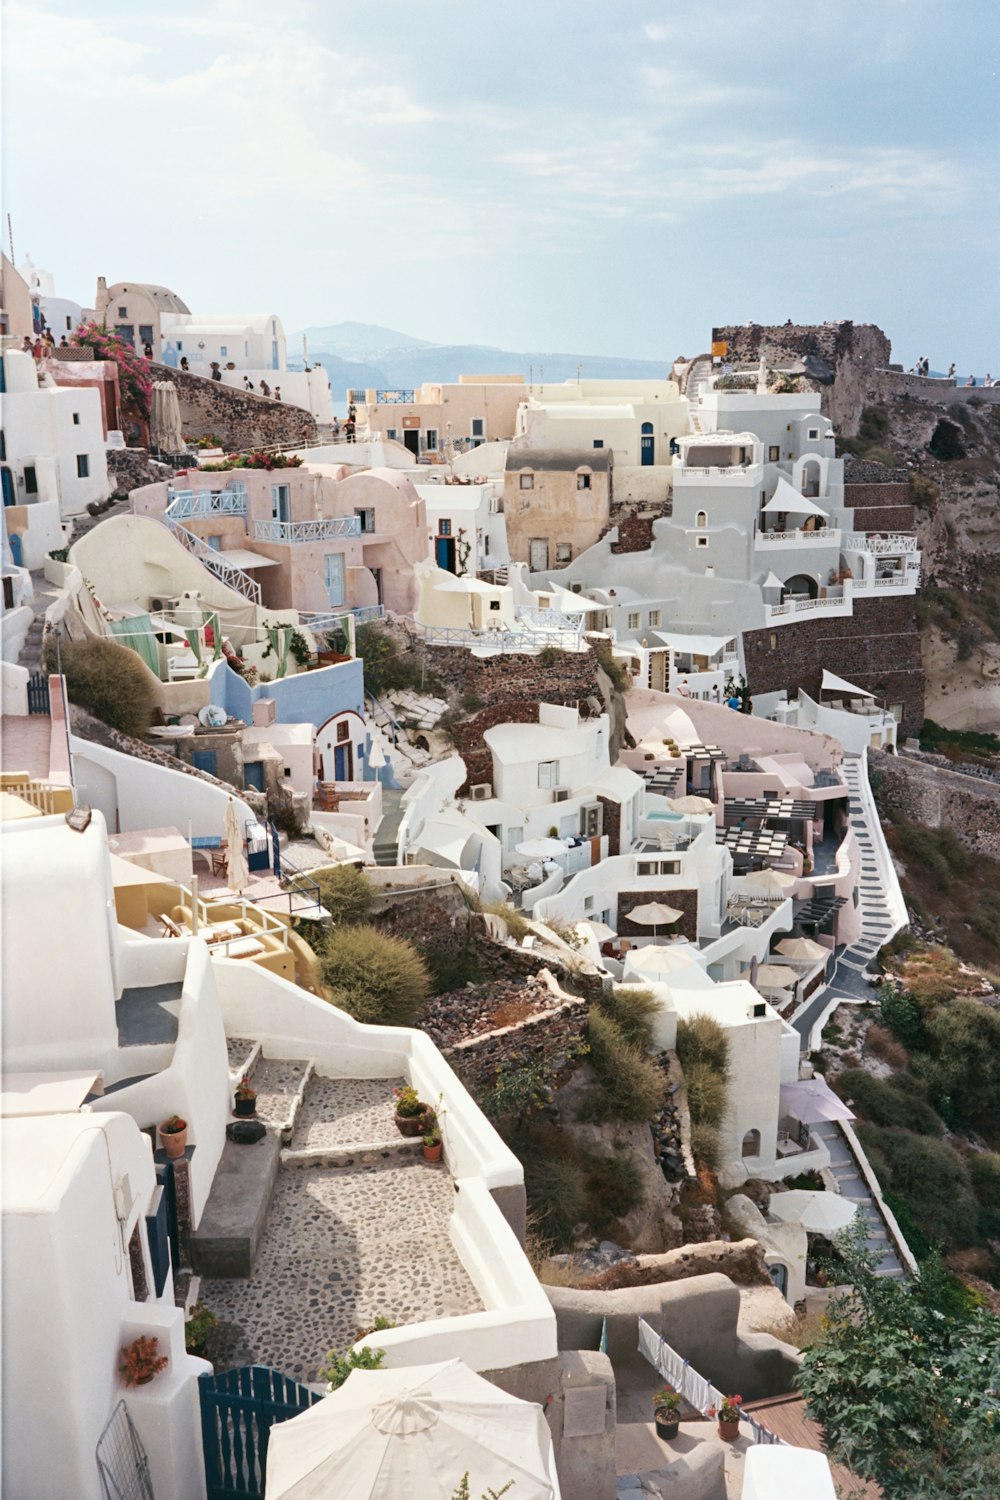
(277, 393)
(951, 370)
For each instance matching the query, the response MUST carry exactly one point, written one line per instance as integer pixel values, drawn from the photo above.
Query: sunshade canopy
(599, 931)
(769, 882)
(787, 500)
(691, 804)
(818, 1212)
(543, 848)
(811, 1101)
(412, 1431)
(654, 914)
(833, 684)
(802, 947)
(776, 976)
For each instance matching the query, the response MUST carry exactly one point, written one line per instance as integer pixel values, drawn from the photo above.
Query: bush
(110, 682)
(385, 666)
(964, 1040)
(380, 980)
(339, 1366)
(556, 1195)
(451, 968)
(633, 1010)
(924, 493)
(517, 923)
(882, 1044)
(700, 1038)
(889, 1101)
(706, 1092)
(932, 1178)
(706, 1145)
(984, 1173)
(901, 1014)
(346, 893)
(614, 1188)
(629, 1085)
(612, 668)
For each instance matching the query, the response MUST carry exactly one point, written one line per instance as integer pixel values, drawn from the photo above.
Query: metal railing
(331, 619)
(895, 543)
(187, 503)
(826, 534)
(330, 529)
(545, 617)
(215, 562)
(394, 398)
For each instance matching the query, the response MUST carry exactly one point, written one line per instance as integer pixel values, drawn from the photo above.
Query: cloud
(659, 31)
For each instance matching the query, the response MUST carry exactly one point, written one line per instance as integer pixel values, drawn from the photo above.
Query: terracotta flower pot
(432, 1153)
(729, 1431)
(410, 1124)
(174, 1142)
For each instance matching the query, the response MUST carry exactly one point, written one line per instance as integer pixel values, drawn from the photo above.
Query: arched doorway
(647, 445)
(751, 1143)
(800, 584)
(16, 554)
(779, 1275)
(811, 477)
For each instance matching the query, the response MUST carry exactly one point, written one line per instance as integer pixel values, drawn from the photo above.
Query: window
(343, 731)
(180, 347)
(773, 453)
(215, 542)
(813, 433)
(281, 502)
(367, 519)
(598, 442)
(478, 427)
(633, 622)
(583, 481)
(30, 480)
(69, 324)
(548, 773)
(654, 618)
(123, 312)
(145, 333)
(657, 867)
(564, 552)
(701, 541)
(391, 434)
(333, 570)
(246, 349)
(588, 903)
(76, 419)
(224, 351)
(515, 836)
(527, 481)
(495, 604)
(701, 519)
(82, 466)
(444, 526)
(431, 439)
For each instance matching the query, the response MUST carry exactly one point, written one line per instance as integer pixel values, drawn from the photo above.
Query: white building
(54, 456)
(60, 314)
(465, 526)
(244, 346)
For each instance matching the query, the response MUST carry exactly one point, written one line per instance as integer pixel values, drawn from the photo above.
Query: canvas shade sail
(237, 869)
(165, 417)
(787, 500)
(413, 1431)
(833, 684)
(818, 1212)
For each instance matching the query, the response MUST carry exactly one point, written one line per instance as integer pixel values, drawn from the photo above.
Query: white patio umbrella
(599, 931)
(413, 1431)
(656, 960)
(803, 948)
(692, 804)
(818, 1212)
(237, 869)
(376, 755)
(654, 914)
(776, 976)
(544, 848)
(769, 882)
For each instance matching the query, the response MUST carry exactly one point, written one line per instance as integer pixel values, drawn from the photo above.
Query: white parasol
(654, 914)
(237, 869)
(376, 755)
(544, 848)
(776, 977)
(804, 948)
(769, 883)
(818, 1212)
(692, 804)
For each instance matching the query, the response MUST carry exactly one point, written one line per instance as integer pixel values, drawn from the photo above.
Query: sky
(607, 178)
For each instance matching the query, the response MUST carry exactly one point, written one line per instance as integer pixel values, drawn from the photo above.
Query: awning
(694, 645)
(811, 1101)
(240, 557)
(787, 499)
(833, 684)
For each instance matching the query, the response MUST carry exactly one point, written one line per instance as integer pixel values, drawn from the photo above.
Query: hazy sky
(608, 177)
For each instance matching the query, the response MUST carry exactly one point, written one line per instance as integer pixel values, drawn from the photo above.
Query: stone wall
(683, 901)
(553, 1038)
(881, 507)
(238, 419)
(858, 354)
(128, 468)
(612, 820)
(635, 533)
(551, 677)
(939, 798)
(878, 648)
(438, 918)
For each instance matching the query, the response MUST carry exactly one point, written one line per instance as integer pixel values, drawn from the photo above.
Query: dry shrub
(111, 682)
(882, 1044)
(706, 1092)
(629, 1085)
(379, 980)
(632, 1009)
(706, 1145)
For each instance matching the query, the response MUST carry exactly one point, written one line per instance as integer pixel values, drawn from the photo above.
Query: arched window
(701, 519)
(751, 1143)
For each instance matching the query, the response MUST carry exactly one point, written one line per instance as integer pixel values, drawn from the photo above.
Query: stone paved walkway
(341, 1246)
(345, 1111)
(277, 1083)
(239, 1049)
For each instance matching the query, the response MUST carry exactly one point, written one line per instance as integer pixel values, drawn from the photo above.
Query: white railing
(895, 543)
(216, 563)
(828, 535)
(838, 601)
(330, 619)
(499, 640)
(330, 529)
(696, 471)
(187, 503)
(552, 618)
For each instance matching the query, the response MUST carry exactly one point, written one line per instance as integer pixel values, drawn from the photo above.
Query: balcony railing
(184, 504)
(394, 398)
(828, 536)
(551, 619)
(335, 528)
(330, 619)
(500, 640)
(894, 544)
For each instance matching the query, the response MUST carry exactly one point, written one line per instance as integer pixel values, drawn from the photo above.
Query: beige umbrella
(776, 976)
(770, 883)
(692, 805)
(654, 914)
(599, 931)
(165, 417)
(803, 948)
(656, 960)
(819, 1211)
(237, 869)
(376, 755)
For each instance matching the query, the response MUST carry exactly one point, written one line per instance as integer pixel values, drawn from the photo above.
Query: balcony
(394, 398)
(291, 533)
(895, 545)
(749, 473)
(185, 504)
(823, 536)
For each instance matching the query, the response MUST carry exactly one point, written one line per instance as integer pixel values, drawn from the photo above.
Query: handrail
(863, 541)
(215, 562)
(327, 529)
(503, 640)
(232, 501)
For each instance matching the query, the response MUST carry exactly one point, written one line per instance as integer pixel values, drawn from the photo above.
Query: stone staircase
(385, 844)
(852, 1185)
(877, 924)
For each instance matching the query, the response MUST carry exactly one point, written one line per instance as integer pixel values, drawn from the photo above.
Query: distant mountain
(361, 354)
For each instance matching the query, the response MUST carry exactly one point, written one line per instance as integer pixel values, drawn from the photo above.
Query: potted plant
(667, 1411)
(432, 1143)
(199, 1328)
(245, 1097)
(140, 1360)
(729, 1414)
(411, 1112)
(173, 1136)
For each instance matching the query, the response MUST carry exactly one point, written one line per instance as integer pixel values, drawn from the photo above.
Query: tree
(964, 1039)
(111, 682)
(906, 1386)
(380, 980)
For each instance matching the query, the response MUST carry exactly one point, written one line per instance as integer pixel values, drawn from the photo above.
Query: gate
(238, 1410)
(121, 1459)
(38, 693)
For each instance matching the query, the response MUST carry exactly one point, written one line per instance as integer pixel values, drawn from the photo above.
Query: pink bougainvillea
(133, 378)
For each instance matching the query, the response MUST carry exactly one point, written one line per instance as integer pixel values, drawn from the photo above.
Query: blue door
(8, 486)
(15, 549)
(204, 760)
(342, 763)
(253, 775)
(444, 553)
(646, 457)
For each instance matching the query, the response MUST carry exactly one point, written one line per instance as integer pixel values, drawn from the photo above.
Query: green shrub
(346, 893)
(964, 1040)
(706, 1092)
(633, 1011)
(932, 1179)
(614, 1188)
(380, 980)
(889, 1101)
(385, 666)
(874, 425)
(518, 1091)
(451, 968)
(111, 682)
(629, 1085)
(706, 1145)
(924, 493)
(984, 1173)
(339, 1366)
(556, 1194)
(612, 668)
(700, 1038)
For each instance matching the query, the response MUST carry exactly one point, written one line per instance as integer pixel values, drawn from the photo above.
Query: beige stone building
(556, 502)
(437, 420)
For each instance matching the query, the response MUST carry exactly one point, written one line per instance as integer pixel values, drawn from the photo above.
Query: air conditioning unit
(158, 603)
(591, 820)
(482, 791)
(560, 794)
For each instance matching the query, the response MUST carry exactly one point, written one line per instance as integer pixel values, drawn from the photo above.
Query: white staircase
(882, 908)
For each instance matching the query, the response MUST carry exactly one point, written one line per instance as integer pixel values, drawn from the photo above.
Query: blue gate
(38, 694)
(238, 1409)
